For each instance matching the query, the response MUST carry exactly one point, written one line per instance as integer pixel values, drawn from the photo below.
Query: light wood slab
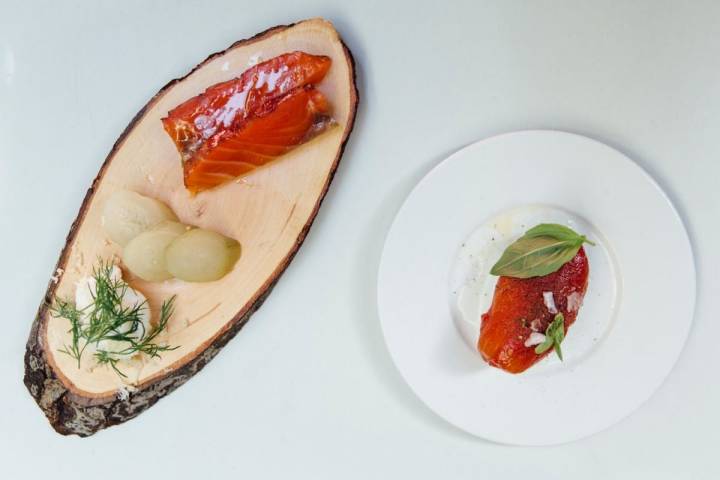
(269, 212)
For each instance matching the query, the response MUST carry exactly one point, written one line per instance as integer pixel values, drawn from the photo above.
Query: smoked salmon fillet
(237, 126)
(522, 306)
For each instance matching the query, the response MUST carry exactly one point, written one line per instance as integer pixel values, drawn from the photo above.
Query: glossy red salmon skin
(237, 126)
(518, 308)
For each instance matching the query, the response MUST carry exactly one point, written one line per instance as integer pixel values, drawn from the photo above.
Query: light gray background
(307, 389)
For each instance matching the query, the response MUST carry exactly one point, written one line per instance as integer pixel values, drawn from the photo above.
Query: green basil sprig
(541, 251)
(554, 335)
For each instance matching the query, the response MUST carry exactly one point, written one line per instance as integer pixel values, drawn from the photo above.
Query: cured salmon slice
(237, 126)
(523, 306)
(296, 118)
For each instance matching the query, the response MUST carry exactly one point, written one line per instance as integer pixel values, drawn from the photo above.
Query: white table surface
(307, 389)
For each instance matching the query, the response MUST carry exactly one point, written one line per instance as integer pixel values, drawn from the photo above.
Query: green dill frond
(64, 309)
(104, 357)
(107, 319)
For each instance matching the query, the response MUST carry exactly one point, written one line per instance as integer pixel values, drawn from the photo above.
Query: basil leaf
(554, 335)
(558, 321)
(559, 333)
(535, 257)
(555, 230)
(541, 251)
(545, 346)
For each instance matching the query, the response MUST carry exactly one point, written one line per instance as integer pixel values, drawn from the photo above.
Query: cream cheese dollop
(85, 291)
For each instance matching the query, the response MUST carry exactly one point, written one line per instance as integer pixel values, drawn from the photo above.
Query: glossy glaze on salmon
(237, 126)
(519, 308)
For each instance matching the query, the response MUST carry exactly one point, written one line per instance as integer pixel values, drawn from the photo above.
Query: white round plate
(433, 286)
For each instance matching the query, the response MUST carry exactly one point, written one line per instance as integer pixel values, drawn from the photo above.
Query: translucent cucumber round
(144, 255)
(201, 256)
(169, 226)
(127, 214)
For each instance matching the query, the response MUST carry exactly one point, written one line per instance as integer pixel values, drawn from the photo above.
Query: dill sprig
(107, 319)
(67, 310)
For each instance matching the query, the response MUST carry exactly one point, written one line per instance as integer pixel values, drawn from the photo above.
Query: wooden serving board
(269, 212)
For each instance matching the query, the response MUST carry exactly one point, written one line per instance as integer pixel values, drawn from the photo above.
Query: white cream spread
(85, 291)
